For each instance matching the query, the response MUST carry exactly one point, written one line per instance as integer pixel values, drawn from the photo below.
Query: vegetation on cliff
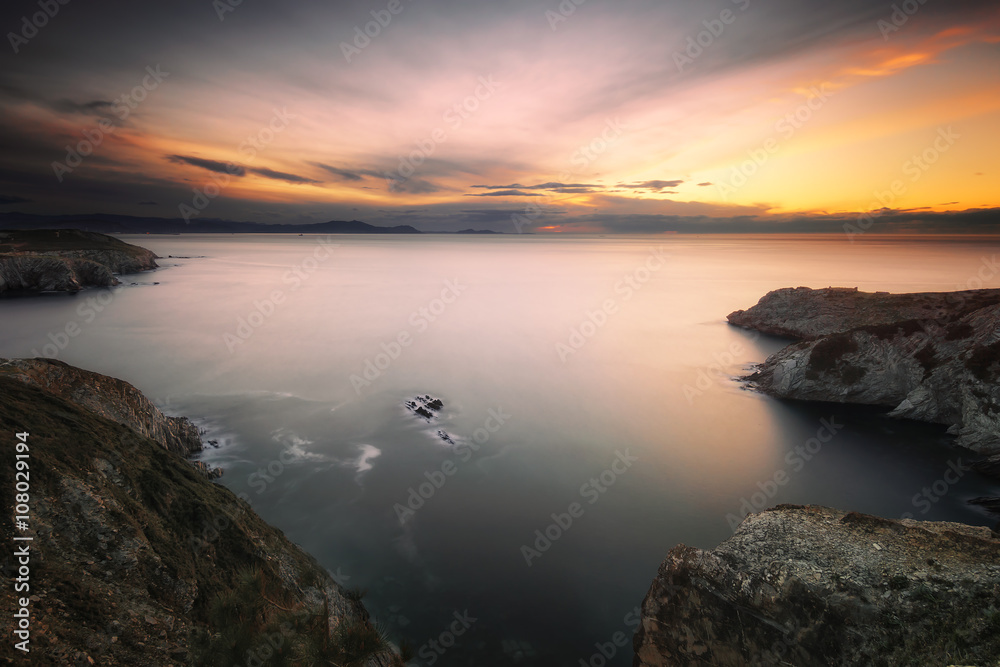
(138, 559)
(66, 260)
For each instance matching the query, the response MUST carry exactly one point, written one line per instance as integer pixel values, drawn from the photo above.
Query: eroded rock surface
(817, 586)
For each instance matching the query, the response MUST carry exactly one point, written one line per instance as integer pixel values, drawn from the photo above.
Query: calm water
(634, 417)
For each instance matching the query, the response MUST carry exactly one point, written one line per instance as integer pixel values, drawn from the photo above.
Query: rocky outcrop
(816, 586)
(108, 397)
(943, 369)
(804, 313)
(139, 560)
(66, 260)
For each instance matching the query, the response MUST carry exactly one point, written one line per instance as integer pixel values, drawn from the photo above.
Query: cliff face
(804, 313)
(137, 559)
(66, 260)
(942, 369)
(108, 397)
(816, 586)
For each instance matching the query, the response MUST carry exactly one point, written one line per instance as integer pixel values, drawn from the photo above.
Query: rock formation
(137, 559)
(66, 260)
(811, 586)
(108, 397)
(931, 357)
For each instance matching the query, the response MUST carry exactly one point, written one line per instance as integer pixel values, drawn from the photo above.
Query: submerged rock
(424, 406)
(817, 586)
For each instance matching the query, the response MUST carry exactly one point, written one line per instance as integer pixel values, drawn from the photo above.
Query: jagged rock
(943, 370)
(109, 397)
(804, 313)
(137, 558)
(816, 586)
(66, 260)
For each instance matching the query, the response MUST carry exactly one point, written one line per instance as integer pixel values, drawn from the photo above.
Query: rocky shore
(66, 260)
(137, 558)
(816, 586)
(933, 357)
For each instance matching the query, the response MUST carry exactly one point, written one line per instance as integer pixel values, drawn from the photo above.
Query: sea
(591, 413)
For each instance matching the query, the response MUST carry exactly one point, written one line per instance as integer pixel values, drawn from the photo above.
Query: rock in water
(812, 586)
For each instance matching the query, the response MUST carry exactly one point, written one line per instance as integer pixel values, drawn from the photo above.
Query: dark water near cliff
(634, 418)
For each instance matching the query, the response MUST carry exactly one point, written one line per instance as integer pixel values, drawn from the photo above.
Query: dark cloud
(281, 176)
(149, 203)
(347, 174)
(507, 193)
(211, 165)
(651, 185)
(541, 186)
(12, 199)
(93, 108)
(706, 183)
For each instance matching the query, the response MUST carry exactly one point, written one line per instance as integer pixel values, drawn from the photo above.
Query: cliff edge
(816, 586)
(933, 357)
(66, 260)
(136, 558)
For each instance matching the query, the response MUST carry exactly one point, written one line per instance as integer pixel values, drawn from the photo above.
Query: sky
(549, 117)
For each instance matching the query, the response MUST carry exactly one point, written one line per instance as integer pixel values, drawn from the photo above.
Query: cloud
(12, 199)
(347, 174)
(507, 193)
(149, 203)
(211, 165)
(557, 187)
(281, 176)
(652, 185)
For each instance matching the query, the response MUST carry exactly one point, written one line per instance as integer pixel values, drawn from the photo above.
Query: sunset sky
(602, 116)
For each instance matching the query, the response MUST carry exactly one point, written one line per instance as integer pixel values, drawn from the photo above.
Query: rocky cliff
(66, 260)
(108, 397)
(816, 586)
(137, 559)
(932, 357)
(804, 313)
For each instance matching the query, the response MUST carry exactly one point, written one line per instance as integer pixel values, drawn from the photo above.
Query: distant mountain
(126, 224)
